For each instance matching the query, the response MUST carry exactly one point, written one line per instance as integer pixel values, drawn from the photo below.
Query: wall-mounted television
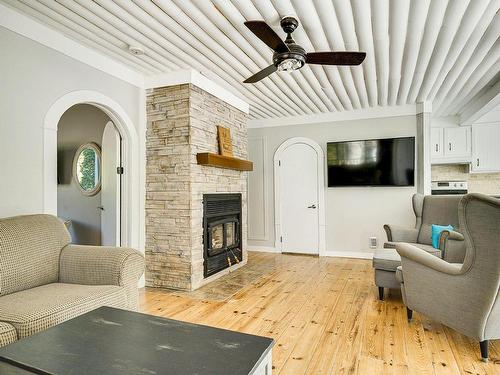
(373, 162)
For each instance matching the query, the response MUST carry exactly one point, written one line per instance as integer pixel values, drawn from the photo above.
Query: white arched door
(299, 197)
(111, 187)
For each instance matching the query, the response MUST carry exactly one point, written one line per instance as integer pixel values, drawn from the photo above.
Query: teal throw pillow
(436, 232)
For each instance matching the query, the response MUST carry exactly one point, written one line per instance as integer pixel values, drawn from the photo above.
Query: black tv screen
(374, 162)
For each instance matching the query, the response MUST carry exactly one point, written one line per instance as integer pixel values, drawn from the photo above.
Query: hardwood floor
(326, 319)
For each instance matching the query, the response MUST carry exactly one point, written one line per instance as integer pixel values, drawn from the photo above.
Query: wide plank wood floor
(326, 319)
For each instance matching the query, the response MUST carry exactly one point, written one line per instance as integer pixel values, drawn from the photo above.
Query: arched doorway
(299, 197)
(131, 222)
(88, 176)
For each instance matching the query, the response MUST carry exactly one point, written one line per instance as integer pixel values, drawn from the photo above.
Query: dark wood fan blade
(267, 35)
(335, 58)
(260, 75)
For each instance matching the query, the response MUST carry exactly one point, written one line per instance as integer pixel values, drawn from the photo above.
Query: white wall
(32, 78)
(445, 122)
(352, 214)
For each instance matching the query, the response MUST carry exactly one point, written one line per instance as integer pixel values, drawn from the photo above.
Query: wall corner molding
(424, 107)
(358, 114)
(193, 77)
(36, 31)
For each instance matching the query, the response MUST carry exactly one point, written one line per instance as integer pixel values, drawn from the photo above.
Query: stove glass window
(231, 234)
(217, 237)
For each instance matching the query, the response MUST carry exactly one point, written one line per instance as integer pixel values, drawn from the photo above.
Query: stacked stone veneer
(182, 121)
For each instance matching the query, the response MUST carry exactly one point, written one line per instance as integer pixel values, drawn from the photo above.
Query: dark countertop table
(113, 341)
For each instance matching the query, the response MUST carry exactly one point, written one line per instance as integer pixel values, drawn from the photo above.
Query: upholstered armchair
(45, 280)
(431, 209)
(463, 296)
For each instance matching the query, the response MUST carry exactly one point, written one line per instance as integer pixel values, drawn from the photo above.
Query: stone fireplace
(182, 122)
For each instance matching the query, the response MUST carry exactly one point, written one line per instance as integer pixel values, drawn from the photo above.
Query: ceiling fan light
(289, 65)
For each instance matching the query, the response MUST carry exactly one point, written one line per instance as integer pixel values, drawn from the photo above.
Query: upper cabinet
(451, 145)
(437, 142)
(457, 141)
(486, 148)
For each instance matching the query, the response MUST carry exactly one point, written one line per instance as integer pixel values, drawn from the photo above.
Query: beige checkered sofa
(45, 280)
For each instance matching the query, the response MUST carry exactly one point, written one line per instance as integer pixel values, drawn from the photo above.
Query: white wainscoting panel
(257, 195)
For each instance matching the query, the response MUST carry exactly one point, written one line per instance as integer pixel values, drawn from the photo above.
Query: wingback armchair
(432, 209)
(463, 296)
(45, 280)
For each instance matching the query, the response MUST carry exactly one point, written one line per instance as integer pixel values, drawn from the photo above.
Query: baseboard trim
(349, 254)
(263, 249)
(337, 254)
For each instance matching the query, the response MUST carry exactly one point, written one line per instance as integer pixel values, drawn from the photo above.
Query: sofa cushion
(386, 259)
(7, 334)
(29, 251)
(36, 309)
(441, 210)
(428, 248)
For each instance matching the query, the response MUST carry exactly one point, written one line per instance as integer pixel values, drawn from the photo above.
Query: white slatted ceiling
(443, 51)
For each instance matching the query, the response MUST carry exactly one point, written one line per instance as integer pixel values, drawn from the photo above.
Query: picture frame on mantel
(225, 144)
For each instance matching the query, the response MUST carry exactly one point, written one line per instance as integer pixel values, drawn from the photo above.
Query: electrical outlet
(373, 242)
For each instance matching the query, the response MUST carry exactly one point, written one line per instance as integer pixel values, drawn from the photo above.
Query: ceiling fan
(289, 56)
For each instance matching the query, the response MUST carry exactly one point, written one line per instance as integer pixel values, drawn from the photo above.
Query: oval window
(87, 168)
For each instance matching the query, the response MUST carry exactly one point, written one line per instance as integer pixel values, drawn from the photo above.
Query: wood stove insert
(222, 238)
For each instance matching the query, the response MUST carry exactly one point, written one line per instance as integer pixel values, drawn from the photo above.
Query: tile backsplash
(487, 183)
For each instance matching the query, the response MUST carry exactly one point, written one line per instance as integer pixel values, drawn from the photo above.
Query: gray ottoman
(386, 262)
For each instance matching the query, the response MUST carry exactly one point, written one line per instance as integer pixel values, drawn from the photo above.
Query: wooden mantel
(220, 161)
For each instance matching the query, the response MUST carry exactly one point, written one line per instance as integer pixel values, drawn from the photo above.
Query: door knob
(313, 206)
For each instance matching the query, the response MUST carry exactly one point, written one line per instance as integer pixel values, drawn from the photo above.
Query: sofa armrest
(100, 265)
(424, 258)
(400, 234)
(103, 265)
(452, 246)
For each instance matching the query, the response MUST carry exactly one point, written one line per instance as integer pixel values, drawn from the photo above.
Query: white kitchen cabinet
(451, 145)
(486, 148)
(437, 142)
(457, 141)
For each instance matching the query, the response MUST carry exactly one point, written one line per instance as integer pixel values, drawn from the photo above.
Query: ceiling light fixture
(135, 50)
(289, 65)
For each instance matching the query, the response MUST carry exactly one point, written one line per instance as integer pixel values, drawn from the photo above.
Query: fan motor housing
(289, 24)
(296, 52)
